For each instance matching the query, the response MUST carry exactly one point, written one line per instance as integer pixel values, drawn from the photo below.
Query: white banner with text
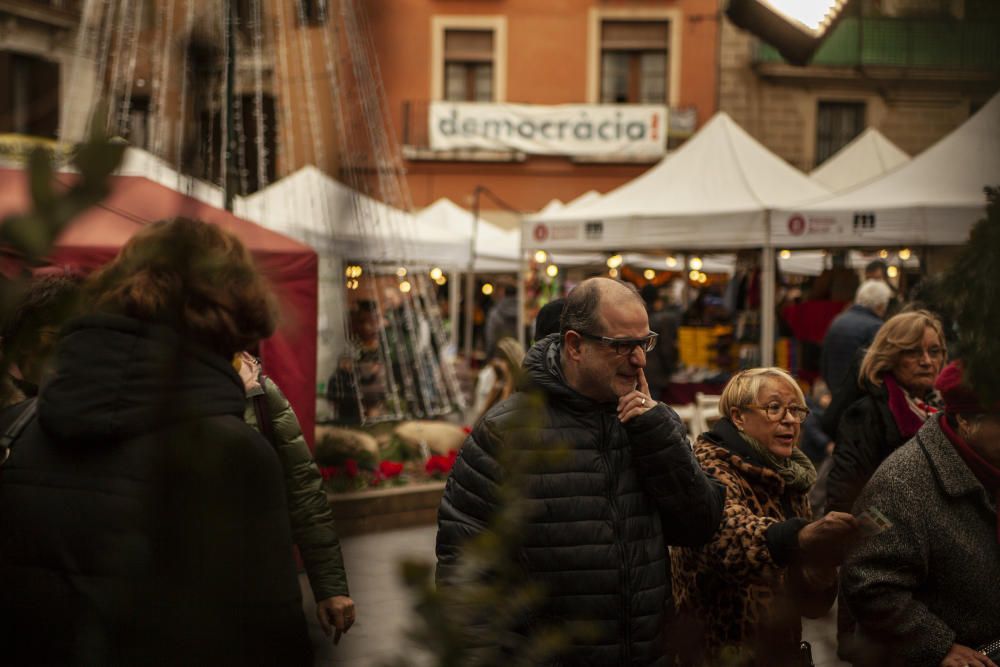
(565, 129)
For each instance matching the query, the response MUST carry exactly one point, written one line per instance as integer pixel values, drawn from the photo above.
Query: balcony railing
(891, 42)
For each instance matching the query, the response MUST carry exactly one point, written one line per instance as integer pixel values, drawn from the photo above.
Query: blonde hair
(899, 333)
(744, 388)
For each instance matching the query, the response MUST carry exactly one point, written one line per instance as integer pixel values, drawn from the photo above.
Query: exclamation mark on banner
(655, 134)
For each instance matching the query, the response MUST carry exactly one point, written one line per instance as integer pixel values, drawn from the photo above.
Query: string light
(883, 253)
(892, 272)
(904, 254)
(401, 272)
(702, 278)
(613, 273)
(696, 263)
(405, 287)
(785, 254)
(353, 271)
(615, 261)
(693, 274)
(671, 261)
(442, 280)
(552, 270)
(649, 274)
(487, 289)
(436, 273)
(540, 256)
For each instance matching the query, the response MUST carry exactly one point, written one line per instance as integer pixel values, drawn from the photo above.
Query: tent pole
(454, 296)
(767, 284)
(522, 276)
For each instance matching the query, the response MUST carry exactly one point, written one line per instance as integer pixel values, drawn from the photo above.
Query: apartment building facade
(913, 69)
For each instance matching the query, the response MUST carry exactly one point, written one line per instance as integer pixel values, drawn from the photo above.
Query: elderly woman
(924, 589)
(742, 595)
(141, 520)
(897, 376)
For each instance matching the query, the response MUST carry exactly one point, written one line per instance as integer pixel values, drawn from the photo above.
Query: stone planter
(378, 510)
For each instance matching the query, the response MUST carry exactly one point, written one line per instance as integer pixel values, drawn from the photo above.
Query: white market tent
(867, 157)
(934, 199)
(497, 250)
(714, 192)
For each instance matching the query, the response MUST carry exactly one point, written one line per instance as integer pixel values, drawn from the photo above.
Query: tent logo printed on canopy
(594, 231)
(797, 225)
(864, 222)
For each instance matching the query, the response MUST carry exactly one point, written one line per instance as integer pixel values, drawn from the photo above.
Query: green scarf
(797, 471)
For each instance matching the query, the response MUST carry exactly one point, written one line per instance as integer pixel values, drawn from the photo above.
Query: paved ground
(383, 606)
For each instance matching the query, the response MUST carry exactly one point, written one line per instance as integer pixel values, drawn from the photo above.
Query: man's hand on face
(636, 402)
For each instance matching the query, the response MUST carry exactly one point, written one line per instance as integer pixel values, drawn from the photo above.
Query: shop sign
(564, 129)
(799, 225)
(541, 232)
(594, 231)
(864, 222)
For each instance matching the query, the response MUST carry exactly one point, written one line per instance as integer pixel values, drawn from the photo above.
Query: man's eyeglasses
(776, 411)
(624, 346)
(916, 353)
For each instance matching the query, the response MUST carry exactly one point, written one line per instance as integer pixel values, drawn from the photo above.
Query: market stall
(867, 157)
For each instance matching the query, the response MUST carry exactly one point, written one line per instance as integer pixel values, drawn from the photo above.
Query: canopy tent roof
(95, 237)
(934, 199)
(138, 162)
(865, 158)
(497, 250)
(713, 192)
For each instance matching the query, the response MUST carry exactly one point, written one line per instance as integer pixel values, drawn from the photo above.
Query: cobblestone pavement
(384, 607)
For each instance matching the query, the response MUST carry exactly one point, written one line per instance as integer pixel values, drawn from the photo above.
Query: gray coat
(929, 581)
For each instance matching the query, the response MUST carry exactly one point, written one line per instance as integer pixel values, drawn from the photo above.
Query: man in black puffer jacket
(597, 521)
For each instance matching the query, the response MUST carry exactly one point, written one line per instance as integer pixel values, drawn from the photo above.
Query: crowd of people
(154, 481)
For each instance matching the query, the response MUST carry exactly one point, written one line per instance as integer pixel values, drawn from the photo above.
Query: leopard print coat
(736, 605)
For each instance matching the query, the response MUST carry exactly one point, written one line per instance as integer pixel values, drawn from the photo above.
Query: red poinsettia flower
(329, 472)
(390, 468)
(440, 465)
(351, 468)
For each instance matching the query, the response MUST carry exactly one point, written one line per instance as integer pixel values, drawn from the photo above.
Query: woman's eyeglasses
(776, 411)
(917, 353)
(624, 346)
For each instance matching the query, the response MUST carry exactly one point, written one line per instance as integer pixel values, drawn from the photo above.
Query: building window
(312, 12)
(837, 123)
(29, 95)
(468, 65)
(634, 61)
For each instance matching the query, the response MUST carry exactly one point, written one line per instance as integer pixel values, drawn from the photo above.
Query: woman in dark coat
(924, 589)
(897, 377)
(141, 520)
(740, 597)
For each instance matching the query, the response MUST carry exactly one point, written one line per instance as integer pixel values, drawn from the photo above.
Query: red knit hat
(958, 397)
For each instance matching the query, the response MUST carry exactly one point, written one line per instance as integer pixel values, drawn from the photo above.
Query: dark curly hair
(193, 277)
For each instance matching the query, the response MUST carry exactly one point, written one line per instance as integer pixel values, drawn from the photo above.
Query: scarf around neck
(909, 412)
(797, 471)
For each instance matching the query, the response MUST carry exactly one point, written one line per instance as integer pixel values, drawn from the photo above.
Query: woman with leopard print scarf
(740, 598)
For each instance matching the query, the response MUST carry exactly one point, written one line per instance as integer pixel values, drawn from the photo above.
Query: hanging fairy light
(649, 274)
(613, 273)
(487, 289)
(702, 278)
(671, 261)
(883, 253)
(541, 256)
(615, 261)
(785, 254)
(401, 272)
(441, 280)
(905, 254)
(552, 270)
(892, 272)
(436, 273)
(696, 263)
(693, 275)
(405, 287)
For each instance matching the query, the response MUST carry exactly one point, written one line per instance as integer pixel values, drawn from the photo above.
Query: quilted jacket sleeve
(690, 502)
(312, 520)
(471, 497)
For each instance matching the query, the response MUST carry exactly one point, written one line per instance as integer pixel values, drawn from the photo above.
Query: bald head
(582, 310)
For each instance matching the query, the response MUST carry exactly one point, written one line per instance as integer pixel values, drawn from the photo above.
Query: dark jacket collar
(543, 371)
(724, 434)
(952, 473)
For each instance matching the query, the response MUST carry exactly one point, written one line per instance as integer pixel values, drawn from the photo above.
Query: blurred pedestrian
(897, 379)
(740, 597)
(499, 377)
(502, 319)
(269, 412)
(851, 332)
(547, 319)
(662, 361)
(599, 518)
(141, 520)
(923, 587)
